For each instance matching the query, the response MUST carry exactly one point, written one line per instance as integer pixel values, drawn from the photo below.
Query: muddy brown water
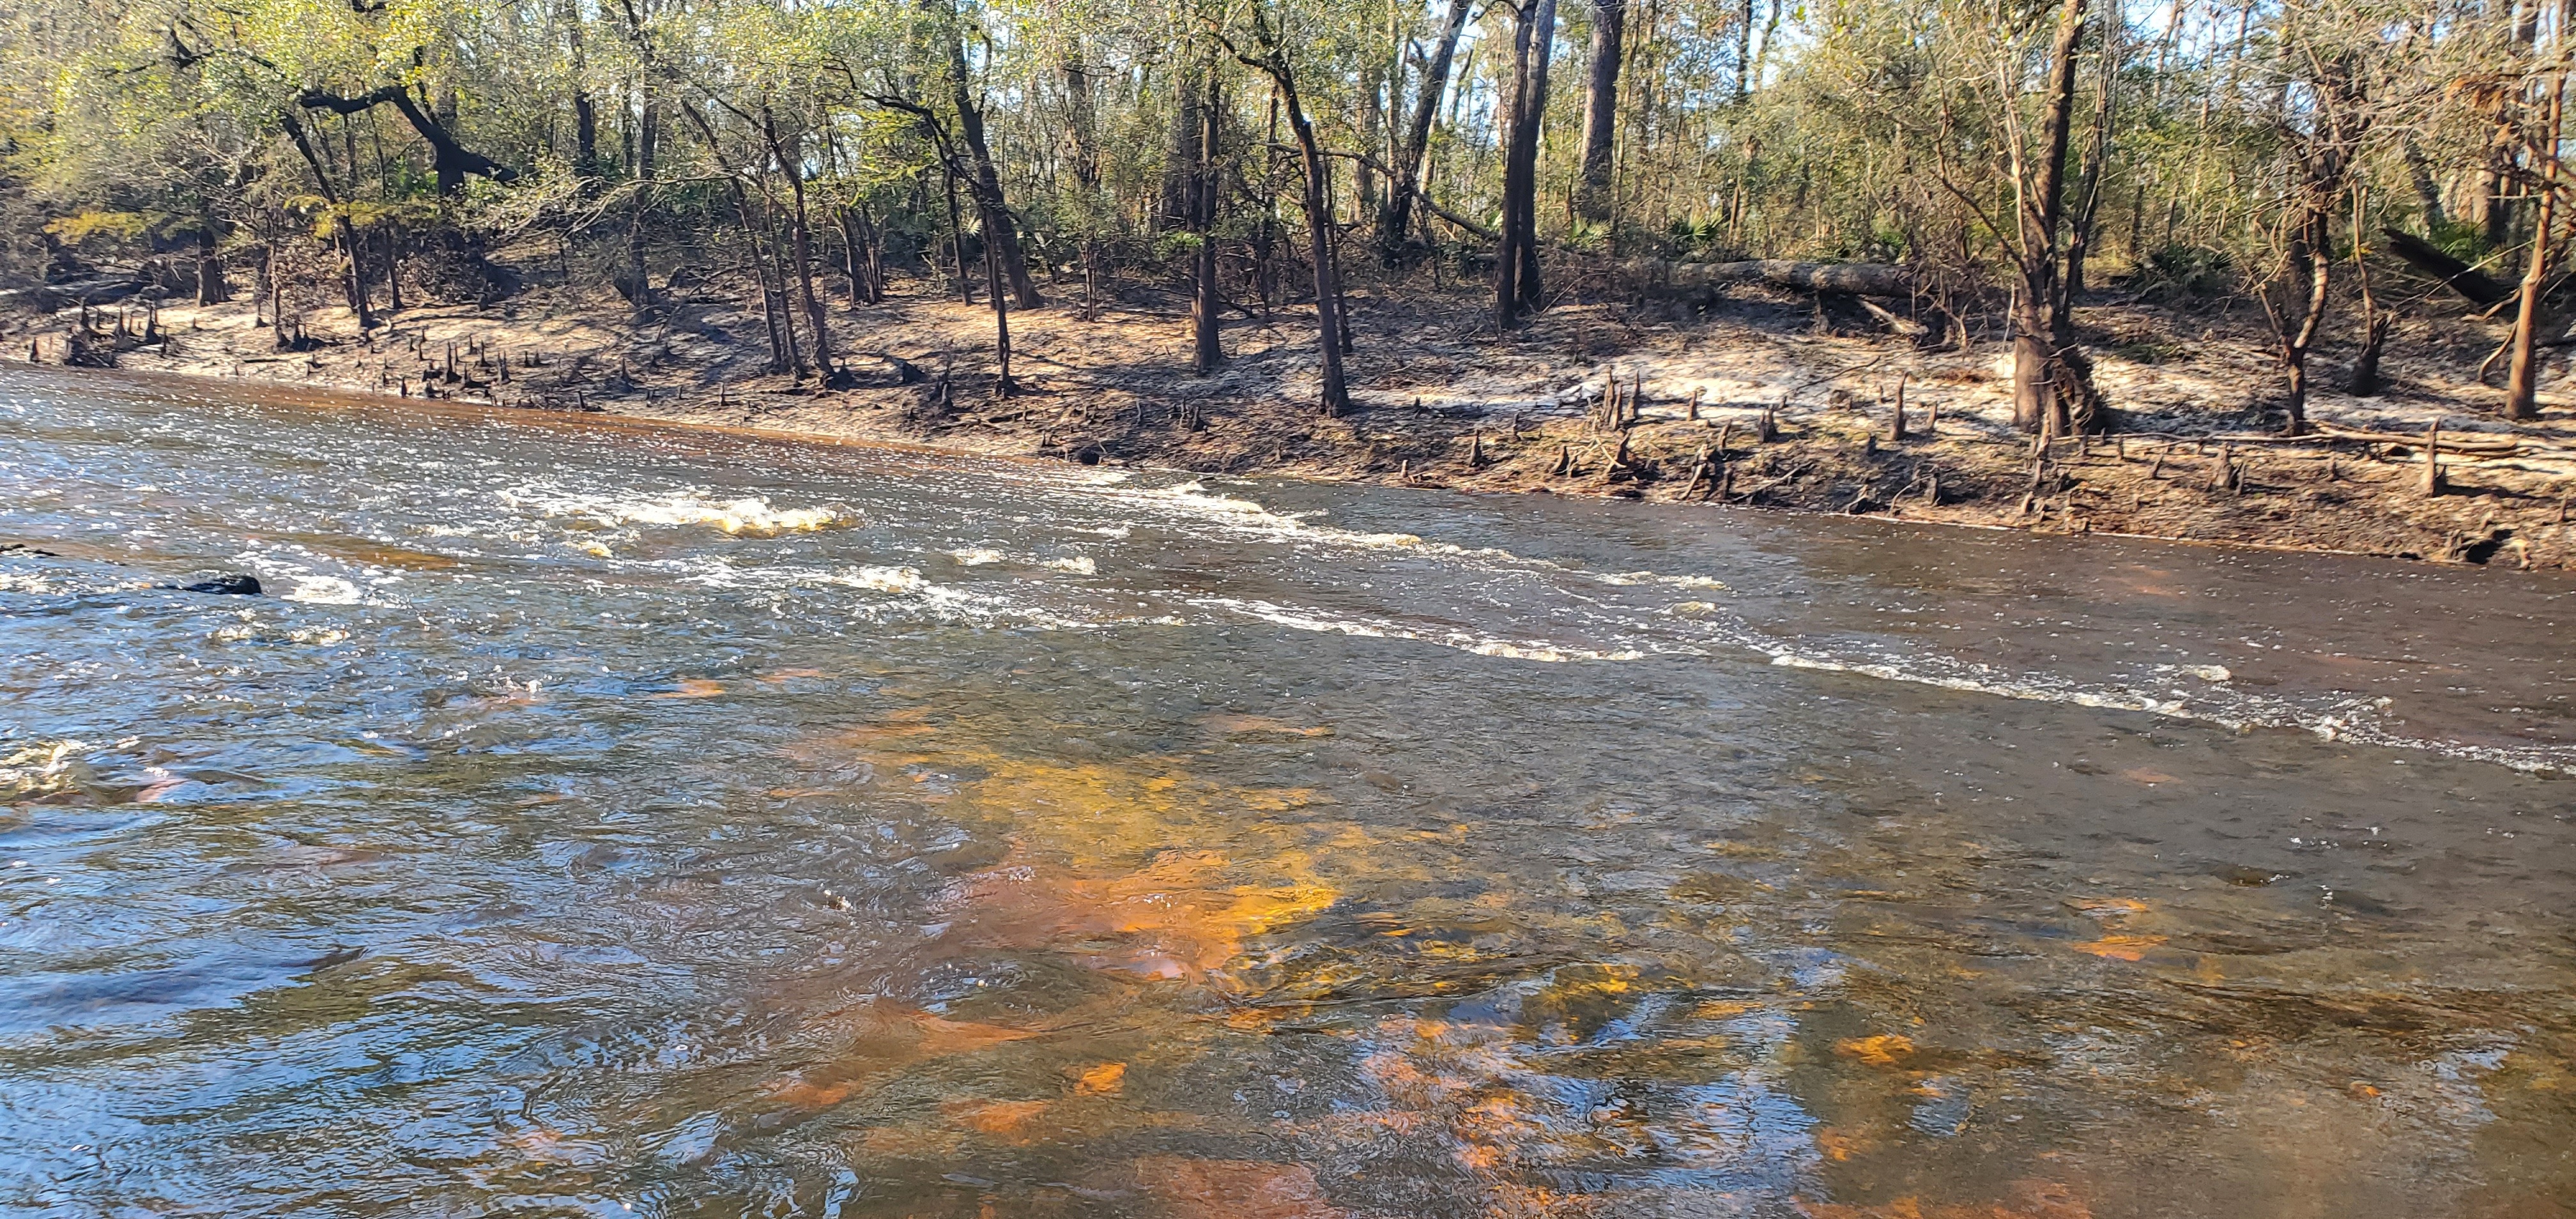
(597, 818)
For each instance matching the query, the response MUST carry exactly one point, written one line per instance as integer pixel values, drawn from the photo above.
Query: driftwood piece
(1902, 325)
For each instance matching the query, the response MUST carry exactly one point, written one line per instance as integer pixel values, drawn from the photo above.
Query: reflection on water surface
(605, 819)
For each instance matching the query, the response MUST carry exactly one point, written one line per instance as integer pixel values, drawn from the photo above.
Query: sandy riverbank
(1440, 401)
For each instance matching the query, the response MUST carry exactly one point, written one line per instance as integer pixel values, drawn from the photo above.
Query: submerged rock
(229, 583)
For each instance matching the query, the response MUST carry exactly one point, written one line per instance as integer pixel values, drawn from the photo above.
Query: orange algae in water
(1102, 1080)
(1883, 1050)
(1174, 919)
(2029, 1200)
(1093, 872)
(880, 1039)
(1262, 725)
(1234, 1189)
(694, 687)
(1010, 1120)
(2121, 947)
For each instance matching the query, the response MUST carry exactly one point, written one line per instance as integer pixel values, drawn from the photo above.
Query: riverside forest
(1287, 609)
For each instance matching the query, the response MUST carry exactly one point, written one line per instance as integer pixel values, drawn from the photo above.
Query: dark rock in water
(339, 955)
(9, 548)
(230, 583)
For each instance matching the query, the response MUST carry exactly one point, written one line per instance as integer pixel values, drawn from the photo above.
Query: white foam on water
(899, 595)
(881, 579)
(292, 567)
(2358, 721)
(740, 516)
(1079, 565)
(324, 590)
(1322, 622)
(1194, 499)
(1654, 577)
(975, 556)
(1246, 517)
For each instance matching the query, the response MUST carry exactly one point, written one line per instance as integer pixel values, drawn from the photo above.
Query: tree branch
(454, 160)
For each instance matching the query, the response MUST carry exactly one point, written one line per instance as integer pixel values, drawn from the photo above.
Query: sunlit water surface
(600, 818)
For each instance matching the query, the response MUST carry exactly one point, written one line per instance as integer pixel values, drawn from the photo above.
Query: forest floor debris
(1440, 401)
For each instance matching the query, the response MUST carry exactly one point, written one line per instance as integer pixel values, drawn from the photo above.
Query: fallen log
(1854, 278)
(2484, 446)
(102, 290)
(2487, 444)
(2478, 286)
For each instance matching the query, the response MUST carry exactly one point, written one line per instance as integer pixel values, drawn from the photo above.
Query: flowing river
(602, 818)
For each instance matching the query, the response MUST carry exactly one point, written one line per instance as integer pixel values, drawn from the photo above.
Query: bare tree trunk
(648, 139)
(1181, 156)
(2321, 168)
(1265, 236)
(1744, 53)
(1517, 182)
(1601, 110)
(2313, 259)
(393, 267)
(956, 232)
(211, 287)
(1404, 178)
(2366, 380)
(356, 280)
(755, 235)
(1542, 51)
(1329, 333)
(817, 320)
(1207, 351)
(2035, 343)
(1516, 271)
(2495, 207)
(1003, 386)
(781, 293)
(2522, 376)
(859, 251)
(1081, 117)
(2428, 195)
(639, 285)
(2088, 196)
(781, 359)
(986, 184)
(1372, 126)
(851, 268)
(585, 115)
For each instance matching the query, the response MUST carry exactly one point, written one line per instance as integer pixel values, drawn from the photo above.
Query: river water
(600, 818)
